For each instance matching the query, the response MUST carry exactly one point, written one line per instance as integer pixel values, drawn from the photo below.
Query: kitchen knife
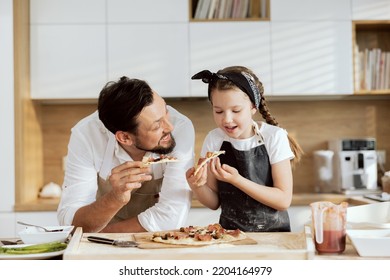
(119, 243)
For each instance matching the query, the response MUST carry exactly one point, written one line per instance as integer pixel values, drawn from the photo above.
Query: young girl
(252, 182)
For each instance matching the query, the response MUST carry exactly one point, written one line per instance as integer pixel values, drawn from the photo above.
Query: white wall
(7, 162)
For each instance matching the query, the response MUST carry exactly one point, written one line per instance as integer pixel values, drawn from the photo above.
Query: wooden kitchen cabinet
(215, 45)
(371, 56)
(371, 37)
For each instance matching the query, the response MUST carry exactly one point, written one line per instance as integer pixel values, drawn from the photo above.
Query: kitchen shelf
(217, 10)
(40, 204)
(371, 43)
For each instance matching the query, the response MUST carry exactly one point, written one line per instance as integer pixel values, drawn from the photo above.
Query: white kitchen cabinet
(43, 218)
(67, 11)
(202, 216)
(370, 9)
(215, 45)
(290, 10)
(7, 222)
(67, 61)
(9, 227)
(147, 11)
(299, 217)
(157, 53)
(311, 57)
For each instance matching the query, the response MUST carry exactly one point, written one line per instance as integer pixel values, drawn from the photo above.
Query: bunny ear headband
(243, 81)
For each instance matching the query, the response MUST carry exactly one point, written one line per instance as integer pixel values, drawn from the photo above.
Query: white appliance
(349, 166)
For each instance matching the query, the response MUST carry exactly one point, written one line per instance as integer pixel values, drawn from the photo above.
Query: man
(106, 187)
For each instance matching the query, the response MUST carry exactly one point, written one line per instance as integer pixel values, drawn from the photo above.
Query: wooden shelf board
(40, 204)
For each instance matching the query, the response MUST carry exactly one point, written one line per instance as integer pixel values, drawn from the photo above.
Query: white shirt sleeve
(212, 142)
(278, 146)
(80, 181)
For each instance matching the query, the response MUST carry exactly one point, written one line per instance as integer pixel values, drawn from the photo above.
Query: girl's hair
(263, 108)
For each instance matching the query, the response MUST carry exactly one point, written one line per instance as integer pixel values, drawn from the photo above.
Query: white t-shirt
(275, 140)
(86, 151)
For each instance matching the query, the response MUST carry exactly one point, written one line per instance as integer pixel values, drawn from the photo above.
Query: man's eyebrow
(166, 111)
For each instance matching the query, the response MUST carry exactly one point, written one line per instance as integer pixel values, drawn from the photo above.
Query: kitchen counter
(272, 246)
(304, 199)
(299, 199)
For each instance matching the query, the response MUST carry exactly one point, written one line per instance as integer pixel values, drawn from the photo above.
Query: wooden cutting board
(260, 245)
(145, 242)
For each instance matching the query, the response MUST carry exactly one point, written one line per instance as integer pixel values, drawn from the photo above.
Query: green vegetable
(34, 249)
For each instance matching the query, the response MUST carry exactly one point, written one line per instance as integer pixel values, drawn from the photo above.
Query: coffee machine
(349, 166)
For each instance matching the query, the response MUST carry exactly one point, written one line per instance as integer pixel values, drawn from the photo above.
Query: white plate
(34, 235)
(370, 242)
(39, 256)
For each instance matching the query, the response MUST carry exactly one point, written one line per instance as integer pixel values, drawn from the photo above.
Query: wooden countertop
(304, 199)
(270, 245)
(265, 245)
(300, 199)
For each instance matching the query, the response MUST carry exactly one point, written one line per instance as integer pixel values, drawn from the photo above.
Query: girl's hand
(225, 172)
(198, 180)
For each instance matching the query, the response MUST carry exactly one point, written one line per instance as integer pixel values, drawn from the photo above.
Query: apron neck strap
(258, 135)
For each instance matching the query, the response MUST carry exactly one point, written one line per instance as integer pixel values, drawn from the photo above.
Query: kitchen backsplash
(312, 123)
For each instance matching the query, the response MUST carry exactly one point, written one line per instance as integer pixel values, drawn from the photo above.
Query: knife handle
(102, 240)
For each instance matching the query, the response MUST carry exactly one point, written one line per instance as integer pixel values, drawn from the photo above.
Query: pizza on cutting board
(209, 156)
(199, 235)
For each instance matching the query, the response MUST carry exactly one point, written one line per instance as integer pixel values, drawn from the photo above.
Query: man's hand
(126, 177)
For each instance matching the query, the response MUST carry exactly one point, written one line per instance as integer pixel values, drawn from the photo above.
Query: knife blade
(119, 243)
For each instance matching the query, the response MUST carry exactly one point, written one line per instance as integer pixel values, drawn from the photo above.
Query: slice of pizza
(199, 236)
(160, 159)
(207, 158)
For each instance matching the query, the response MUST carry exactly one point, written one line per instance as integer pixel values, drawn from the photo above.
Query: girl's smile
(233, 111)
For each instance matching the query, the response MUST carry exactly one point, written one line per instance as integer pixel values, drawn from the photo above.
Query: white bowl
(34, 235)
(370, 242)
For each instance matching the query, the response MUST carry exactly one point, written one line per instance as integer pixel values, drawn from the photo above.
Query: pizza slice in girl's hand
(203, 161)
(160, 159)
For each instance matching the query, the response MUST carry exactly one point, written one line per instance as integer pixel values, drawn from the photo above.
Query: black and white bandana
(243, 81)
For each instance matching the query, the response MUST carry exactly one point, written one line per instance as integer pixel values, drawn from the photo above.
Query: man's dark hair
(121, 102)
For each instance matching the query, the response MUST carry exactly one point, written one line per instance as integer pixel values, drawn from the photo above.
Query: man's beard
(158, 149)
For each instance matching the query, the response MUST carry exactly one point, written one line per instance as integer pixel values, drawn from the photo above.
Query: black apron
(239, 210)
